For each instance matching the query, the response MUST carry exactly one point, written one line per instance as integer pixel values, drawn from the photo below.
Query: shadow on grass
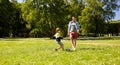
(12, 39)
(97, 38)
(78, 49)
(91, 49)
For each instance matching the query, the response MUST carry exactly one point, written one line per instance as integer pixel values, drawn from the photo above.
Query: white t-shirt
(73, 26)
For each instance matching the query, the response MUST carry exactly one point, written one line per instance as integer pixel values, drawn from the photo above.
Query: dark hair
(74, 16)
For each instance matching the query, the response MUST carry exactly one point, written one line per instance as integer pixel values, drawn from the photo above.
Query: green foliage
(44, 17)
(113, 27)
(4, 17)
(39, 18)
(85, 21)
(94, 16)
(11, 23)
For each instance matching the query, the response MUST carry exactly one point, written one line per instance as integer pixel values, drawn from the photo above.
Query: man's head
(73, 18)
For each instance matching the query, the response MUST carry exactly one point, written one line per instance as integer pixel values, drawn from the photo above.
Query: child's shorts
(59, 41)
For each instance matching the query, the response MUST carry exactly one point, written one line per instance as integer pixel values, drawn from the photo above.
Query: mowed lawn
(40, 51)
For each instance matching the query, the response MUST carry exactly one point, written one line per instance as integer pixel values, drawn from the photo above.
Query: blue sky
(19, 0)
(117, 16)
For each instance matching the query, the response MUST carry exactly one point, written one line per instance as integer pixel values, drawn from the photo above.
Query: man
(73, 30)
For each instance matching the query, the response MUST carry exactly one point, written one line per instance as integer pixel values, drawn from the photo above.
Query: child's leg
(61, 45)
(58, 40)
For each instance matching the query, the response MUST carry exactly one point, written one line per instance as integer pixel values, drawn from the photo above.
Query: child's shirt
(57, 35)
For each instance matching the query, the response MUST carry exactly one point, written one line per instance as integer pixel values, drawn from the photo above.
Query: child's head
(57, 29)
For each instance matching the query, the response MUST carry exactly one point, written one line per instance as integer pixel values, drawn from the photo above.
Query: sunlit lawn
(40, 51)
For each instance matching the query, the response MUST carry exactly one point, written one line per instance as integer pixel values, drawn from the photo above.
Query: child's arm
(54, 36)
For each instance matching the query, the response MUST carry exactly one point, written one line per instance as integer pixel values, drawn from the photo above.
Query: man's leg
(72, 41)
(73, 45)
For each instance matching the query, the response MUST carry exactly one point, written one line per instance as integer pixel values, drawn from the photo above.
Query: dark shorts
(59, 41)
(73, 35)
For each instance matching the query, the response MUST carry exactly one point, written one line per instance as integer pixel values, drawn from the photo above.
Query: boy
(58, 39)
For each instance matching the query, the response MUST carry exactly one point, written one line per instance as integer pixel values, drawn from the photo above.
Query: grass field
(40, 51)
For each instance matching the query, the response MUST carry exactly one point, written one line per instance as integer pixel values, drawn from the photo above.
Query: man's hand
(77, 31)
(68, 33)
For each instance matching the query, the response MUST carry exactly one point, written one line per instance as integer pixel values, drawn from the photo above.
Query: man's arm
(68, 29)
(78, 27)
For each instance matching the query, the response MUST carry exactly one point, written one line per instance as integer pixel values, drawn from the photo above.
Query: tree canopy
(39, 18)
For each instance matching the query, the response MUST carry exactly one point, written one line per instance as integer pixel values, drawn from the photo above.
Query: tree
(11, 23)
(44, 16)
(5, 15)
(38, 18)
(94, 16)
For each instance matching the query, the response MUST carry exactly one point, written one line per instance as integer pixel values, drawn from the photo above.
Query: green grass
(40, 51)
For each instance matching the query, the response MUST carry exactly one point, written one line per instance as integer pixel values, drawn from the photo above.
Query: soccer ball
(67, 49)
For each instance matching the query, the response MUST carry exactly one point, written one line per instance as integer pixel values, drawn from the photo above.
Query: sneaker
(56, 49)
(74, 48)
